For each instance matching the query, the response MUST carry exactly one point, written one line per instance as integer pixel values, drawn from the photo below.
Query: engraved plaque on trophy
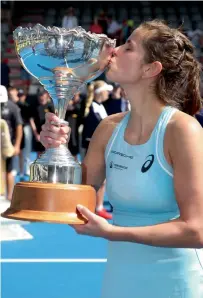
(63, 61)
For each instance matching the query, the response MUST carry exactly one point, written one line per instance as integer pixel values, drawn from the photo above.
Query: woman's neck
(145, 111)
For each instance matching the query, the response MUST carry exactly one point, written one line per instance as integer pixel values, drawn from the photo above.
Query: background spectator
(38, 118)
(5, 70)
(10, 112)
(26, 148)
(74, 117)
(96, 27)
(116, 103)
(98, 93)
(7, 150)
(114, 28)
(69, 21)
(103, 21)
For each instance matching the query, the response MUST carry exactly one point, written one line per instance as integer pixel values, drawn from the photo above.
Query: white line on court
(53, 260)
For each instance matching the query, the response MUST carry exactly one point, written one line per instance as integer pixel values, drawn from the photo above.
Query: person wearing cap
(10, 112)
(98, 93)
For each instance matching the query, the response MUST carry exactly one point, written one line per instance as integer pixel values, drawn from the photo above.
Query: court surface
(43, 260)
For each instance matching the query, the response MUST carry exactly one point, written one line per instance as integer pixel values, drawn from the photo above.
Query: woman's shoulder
(182, 123)
(106, 127)
(112, 121)
(183, 129)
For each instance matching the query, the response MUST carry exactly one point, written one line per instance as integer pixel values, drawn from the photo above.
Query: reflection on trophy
(63, 61)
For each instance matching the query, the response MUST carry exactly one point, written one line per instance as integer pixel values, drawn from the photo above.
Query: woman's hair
(91, 95)
(178, 83)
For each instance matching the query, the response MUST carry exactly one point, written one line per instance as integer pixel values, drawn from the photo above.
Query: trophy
(63, 61)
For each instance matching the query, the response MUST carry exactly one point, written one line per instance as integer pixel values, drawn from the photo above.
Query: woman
(98, 93)
(154, 185)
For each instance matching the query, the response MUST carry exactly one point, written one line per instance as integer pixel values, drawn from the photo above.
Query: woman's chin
(110, 75)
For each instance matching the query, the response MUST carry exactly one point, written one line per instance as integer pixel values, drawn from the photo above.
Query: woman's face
(104, 95)
(126, 65)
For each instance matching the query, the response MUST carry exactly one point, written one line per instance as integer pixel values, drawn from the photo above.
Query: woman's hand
(96, 226)
(51, 135)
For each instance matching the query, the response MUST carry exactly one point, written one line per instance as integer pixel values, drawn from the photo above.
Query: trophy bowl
(63, 61)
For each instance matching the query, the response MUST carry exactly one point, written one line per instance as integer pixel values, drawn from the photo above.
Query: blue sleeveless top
(139, 180)
(139, 185)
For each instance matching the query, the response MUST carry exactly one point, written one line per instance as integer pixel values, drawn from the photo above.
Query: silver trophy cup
(63, 61)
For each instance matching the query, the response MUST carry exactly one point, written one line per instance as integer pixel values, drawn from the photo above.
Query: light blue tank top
(139, 185)
(139, 179)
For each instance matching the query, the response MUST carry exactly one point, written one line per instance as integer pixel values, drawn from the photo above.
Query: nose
(114, 52)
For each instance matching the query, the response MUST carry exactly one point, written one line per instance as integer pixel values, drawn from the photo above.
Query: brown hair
(178, 84)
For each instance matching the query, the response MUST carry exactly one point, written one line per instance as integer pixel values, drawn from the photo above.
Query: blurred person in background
(196, 36)
(114, 28)
(96, 27)
(199, 116)
(26, 113)
(103, 21)
(10, 112)
(17, 159)
(38, 118)
(7, 151)
(69, 20)
(116, 102)
(25, 77)
(13, 94)
(5, 71)
(7, 148)
(126, 30)
(74, 117)
(98, 93)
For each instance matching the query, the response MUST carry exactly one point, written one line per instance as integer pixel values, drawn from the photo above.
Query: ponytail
(90, 97)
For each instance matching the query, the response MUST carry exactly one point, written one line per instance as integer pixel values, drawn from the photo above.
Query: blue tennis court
(56, 263)
(53, 262)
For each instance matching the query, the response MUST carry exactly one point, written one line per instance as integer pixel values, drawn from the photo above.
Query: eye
(127, 48)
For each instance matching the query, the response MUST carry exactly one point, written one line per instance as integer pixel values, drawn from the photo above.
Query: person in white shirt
(114, 28)
(98, 93)
(69, 20)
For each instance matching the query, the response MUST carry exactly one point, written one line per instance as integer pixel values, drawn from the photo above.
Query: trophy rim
(54, 30)
(51, 185)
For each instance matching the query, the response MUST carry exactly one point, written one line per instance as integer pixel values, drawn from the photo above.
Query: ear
(151, 70)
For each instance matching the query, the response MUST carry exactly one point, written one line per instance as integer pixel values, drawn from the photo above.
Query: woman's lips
(111, 60)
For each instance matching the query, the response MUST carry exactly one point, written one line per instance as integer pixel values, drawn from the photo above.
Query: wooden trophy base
(48, 202)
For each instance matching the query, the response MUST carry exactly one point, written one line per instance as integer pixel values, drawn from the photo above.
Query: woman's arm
(186, 152)
(34, 129)
(93, 166)
(94, 163)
